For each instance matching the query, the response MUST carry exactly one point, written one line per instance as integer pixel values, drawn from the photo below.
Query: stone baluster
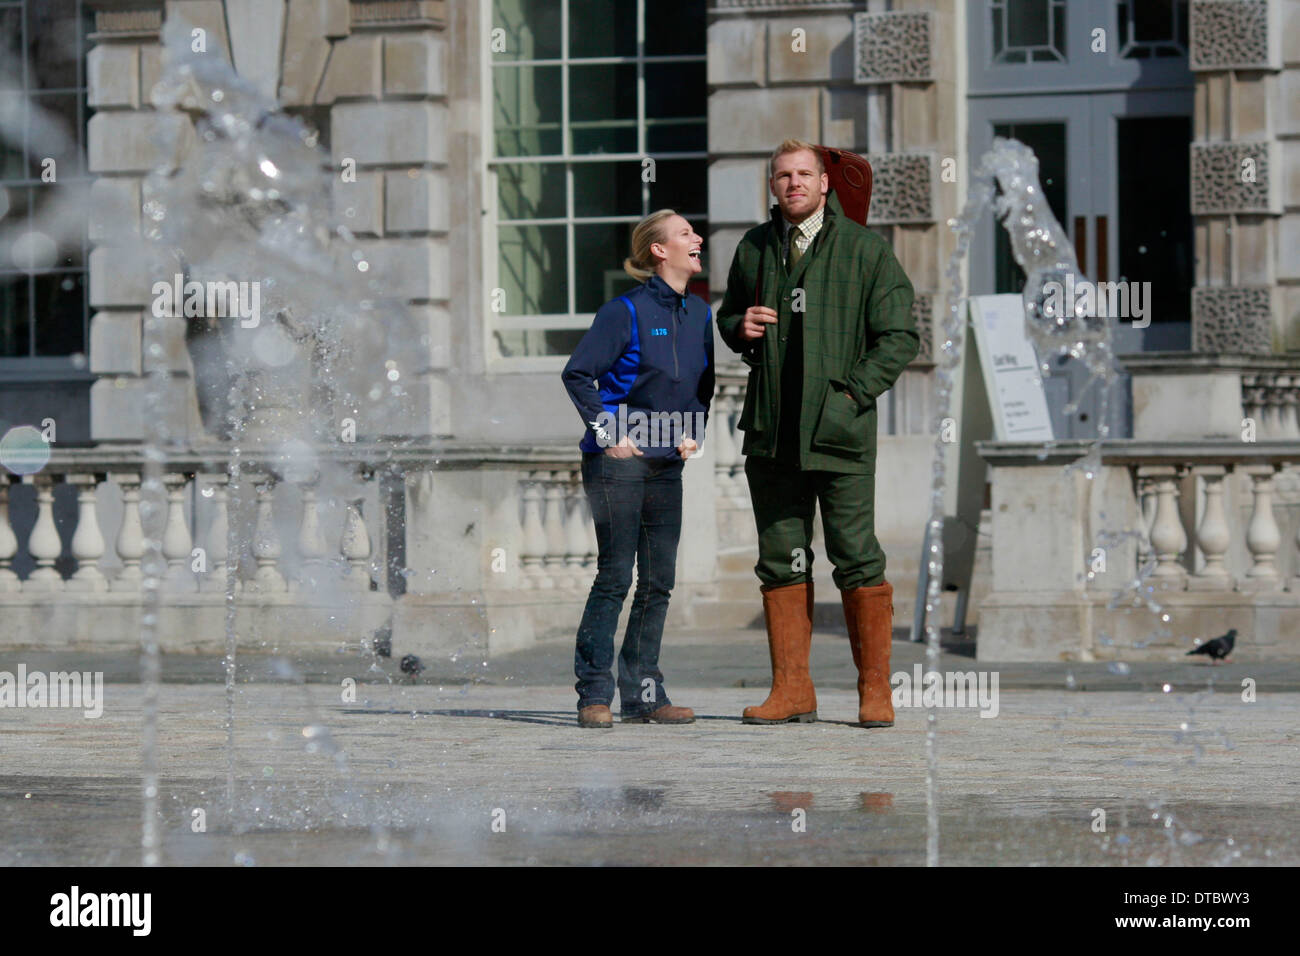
(740, 487)
(724, 444)
(1263, 538)
(130, 536)
(575, 531)
(217, 540)
(1252, 400)
(1168, 539)
(266, 543)
(553, 565)
(1212, 536)
(1273, 400)
(534, 534)
(87, 541)
(1146, 494)
(1294, 584)
(9, 581)
(1288, 387)
(355, 547)
(44, 544)
(177, 542)
(312, 547)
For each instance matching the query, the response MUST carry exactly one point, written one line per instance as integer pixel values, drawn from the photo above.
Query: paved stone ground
(421, 771)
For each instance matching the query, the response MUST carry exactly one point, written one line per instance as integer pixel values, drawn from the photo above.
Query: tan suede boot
(869, 613)
(788, 612)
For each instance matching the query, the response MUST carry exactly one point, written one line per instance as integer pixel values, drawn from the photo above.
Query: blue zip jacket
(644, 369)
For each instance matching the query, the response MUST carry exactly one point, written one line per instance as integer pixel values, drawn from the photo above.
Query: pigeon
(1219, 648)
(411, 665)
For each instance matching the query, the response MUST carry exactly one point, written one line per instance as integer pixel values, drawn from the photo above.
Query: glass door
(1102, 93)
(1140, 231)
(1059, 129)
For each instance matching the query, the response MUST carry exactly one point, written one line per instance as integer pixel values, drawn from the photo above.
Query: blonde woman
(642, 379)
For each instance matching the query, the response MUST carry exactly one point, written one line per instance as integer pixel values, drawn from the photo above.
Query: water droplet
(33, 251)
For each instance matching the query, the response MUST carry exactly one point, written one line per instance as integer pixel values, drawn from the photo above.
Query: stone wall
(1245, 171)
(374, 73)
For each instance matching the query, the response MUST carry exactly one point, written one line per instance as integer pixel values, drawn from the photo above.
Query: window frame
(33, 367)
(494, 322)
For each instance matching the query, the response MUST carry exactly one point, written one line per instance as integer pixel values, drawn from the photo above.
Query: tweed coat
(858, 335)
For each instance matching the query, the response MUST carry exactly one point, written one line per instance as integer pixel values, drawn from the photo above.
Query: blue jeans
(636, 504)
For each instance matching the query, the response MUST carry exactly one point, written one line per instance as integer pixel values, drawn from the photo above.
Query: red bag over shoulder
(850, 180)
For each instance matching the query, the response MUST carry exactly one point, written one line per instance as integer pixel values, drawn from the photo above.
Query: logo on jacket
(658, 331)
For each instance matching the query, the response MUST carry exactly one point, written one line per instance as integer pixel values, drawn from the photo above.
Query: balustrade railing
(104, 550)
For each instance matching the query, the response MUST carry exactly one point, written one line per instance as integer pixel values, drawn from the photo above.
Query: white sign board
(1010, 369)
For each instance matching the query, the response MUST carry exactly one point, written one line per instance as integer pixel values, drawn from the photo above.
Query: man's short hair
(794, 146)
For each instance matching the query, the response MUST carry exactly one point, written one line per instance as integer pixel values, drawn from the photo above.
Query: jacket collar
(663, 293)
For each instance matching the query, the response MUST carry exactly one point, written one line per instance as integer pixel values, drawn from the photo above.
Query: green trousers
(784, 498)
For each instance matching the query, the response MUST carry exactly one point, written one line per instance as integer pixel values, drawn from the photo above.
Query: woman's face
(680, 248)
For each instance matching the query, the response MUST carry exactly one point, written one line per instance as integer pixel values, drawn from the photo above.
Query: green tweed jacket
(858, 335)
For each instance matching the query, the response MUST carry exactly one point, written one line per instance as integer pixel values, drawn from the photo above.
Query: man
(832, 332)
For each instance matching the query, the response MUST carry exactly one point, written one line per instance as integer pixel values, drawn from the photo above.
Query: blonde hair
(641, 264)
(794, 146)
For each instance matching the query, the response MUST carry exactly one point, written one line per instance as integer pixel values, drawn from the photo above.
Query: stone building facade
(500, 150)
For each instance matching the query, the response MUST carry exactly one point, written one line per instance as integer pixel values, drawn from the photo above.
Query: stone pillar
(125, 139)
(1247, 134)
(384, 82)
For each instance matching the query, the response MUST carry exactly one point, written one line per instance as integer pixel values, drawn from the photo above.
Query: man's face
(799, 189)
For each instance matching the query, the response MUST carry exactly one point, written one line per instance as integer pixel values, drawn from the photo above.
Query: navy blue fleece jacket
(644, 369)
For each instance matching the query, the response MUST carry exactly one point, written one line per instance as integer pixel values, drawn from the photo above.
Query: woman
(642, 379)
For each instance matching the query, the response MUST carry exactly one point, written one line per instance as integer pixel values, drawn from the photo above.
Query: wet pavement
(494, 769)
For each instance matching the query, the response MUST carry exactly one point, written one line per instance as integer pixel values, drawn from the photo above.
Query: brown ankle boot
(667, 714)
(597, 717)
(869, 613)
(788, 612)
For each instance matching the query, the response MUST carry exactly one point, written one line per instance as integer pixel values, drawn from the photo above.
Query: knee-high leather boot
(869, 613)
(788, 613)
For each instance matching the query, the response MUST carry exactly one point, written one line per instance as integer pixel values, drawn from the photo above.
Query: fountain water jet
(1006, 180)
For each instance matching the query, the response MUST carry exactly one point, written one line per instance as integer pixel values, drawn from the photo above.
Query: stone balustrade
(195, 548)
(1241, 397)
(558, 534)
(73, 538)
(1171, 542)
(1271, 399)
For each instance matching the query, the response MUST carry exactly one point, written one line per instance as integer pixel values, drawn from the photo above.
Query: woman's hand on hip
(687, 448)
(624, 449)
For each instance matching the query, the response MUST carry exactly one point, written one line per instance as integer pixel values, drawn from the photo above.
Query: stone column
(125, 139)
(385, 84)
(1237, 168)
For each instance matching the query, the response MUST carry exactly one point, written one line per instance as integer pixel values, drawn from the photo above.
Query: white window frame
(494, 322)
